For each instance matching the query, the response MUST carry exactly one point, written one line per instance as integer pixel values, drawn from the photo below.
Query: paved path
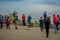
(23, 34)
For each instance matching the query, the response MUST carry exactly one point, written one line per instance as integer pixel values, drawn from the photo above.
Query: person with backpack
(15, 21)
(55, 20)
(29, 21)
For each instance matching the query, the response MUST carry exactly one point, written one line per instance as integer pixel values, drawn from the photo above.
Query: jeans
(55, 28)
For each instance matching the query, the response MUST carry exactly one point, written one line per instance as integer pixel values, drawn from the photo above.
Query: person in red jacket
(55, 20)
(7, 23)
(23, 19)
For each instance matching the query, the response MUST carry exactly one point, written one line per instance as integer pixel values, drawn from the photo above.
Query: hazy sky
(30, 5)
(33, 4)
(33, 7)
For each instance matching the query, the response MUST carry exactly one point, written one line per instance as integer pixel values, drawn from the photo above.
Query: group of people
(46, 21)
(28, 19)
(43, 21)
(4, 20)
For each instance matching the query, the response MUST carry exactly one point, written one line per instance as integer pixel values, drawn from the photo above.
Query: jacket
(55, 19)
(29, 18)
(23, 17)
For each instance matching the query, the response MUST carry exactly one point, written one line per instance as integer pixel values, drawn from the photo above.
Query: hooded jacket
(55, 20)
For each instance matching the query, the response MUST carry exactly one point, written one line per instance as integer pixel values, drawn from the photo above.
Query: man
(29, 21)
(23, 19)
(45, 16)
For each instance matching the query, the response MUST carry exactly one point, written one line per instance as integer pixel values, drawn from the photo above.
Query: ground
(22, 33)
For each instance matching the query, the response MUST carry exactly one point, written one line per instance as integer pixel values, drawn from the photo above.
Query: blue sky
(33, 7)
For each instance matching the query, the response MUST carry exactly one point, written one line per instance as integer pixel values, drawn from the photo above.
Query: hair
(41, 17)
(47, 18)
(8, 17)
(53, 14)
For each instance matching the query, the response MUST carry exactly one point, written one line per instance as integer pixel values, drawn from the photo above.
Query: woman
(55, 20)
(47, 25)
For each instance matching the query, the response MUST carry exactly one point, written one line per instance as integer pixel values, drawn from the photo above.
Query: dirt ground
(22, 33)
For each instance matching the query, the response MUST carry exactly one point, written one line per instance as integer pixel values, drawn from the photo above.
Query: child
(41, 23)
(7, 23)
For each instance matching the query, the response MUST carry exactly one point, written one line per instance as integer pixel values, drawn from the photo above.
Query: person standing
(0, 21)
(41, 23)
(59, 22)
(16, 20)
(29, 21)
(15, 15)
(55, 20)
(8, 23)
(23, 19)
(5, 20)
(45, 16)
(47, 25)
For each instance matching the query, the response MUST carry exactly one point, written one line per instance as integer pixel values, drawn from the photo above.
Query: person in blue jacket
(29, 20)
(0, 21)
(41, 23)
(45, 16)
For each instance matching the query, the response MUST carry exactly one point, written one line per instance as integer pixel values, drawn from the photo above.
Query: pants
(1, 25)
(24, 23)
(29, 24)
(55, 27)
(8, 26)
(16, 24)
(47, 31)
(41, 27)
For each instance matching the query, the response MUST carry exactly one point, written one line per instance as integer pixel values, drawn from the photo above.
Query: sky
(32, 7)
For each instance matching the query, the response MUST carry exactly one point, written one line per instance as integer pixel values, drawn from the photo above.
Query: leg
(55, 28)
(15, 26)
(7, 26)
(24, 22)
(47, 32)
(28, 24)
(1, 25)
